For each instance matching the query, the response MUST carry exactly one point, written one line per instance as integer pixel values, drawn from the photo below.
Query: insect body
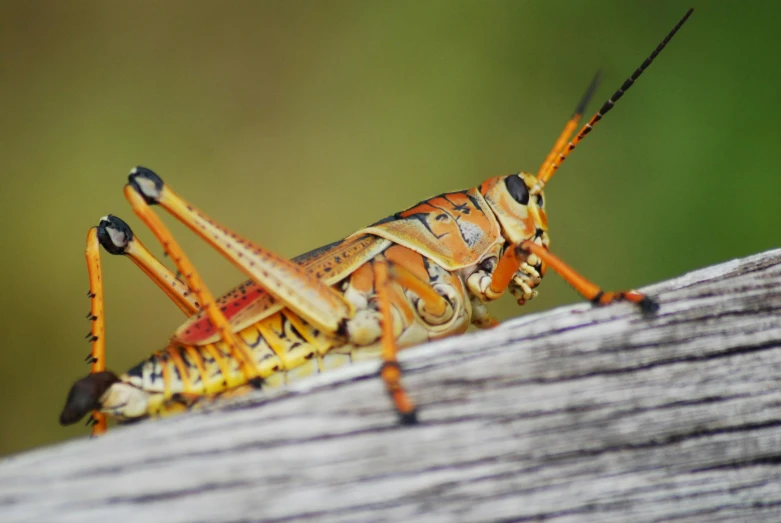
(421, 274)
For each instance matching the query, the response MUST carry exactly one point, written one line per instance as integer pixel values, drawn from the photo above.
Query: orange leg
(435, 304)
(194, 282)
(117, 238)
(85, 394)
(176, 357)
(98, 331)
(304, 293)
(391, 371)
(587, 289)
(505, 270)
(514, 256)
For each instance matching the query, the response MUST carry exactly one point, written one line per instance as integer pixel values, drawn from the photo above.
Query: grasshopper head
(518, 203)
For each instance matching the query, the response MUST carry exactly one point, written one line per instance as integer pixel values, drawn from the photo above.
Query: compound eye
(517, 189)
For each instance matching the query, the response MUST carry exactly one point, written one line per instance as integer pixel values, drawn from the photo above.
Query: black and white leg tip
(147, 183)
(114, 234)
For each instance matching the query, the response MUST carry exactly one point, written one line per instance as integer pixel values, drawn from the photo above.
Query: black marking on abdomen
(137, 371)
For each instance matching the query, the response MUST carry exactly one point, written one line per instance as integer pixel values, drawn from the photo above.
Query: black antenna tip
(590, 90)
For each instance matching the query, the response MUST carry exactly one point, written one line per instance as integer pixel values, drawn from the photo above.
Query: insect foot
(390, 371)
(648, 305)
(525, 280)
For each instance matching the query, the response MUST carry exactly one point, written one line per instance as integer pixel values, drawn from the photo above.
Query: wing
(249, 303)
(454, 229)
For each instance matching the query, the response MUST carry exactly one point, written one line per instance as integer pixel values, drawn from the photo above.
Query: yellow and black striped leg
(391, 371)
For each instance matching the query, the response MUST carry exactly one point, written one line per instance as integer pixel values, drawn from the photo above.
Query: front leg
(514, 256)
(587, 289)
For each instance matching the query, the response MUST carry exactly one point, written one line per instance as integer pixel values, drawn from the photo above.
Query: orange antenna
(572, 123)
(547, 172)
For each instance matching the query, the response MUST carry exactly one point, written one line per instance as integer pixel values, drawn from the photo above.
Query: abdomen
(285, 348)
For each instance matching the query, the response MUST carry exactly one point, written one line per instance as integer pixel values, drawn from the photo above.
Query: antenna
(572, 123)
(547, 172)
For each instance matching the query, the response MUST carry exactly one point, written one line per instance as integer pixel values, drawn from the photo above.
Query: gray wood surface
(577, 414)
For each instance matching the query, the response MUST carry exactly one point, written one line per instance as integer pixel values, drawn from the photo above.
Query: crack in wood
(578, 414)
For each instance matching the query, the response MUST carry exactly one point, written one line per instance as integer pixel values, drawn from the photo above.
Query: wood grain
(577, 414)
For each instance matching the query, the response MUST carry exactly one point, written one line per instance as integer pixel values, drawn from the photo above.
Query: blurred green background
(298, 122)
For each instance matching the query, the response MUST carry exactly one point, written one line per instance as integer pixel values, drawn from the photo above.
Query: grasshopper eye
(517, 189)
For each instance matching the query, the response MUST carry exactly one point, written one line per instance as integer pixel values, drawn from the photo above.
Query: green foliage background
(299, 122)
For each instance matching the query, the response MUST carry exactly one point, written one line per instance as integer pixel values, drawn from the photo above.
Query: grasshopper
(422, 274)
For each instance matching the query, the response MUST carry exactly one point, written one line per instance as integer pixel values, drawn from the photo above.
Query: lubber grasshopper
(421, 274)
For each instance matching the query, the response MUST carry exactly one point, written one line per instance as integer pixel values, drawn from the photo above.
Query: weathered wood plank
(578, 414)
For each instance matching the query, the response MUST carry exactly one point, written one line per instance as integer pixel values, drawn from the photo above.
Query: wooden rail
(577, 414)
